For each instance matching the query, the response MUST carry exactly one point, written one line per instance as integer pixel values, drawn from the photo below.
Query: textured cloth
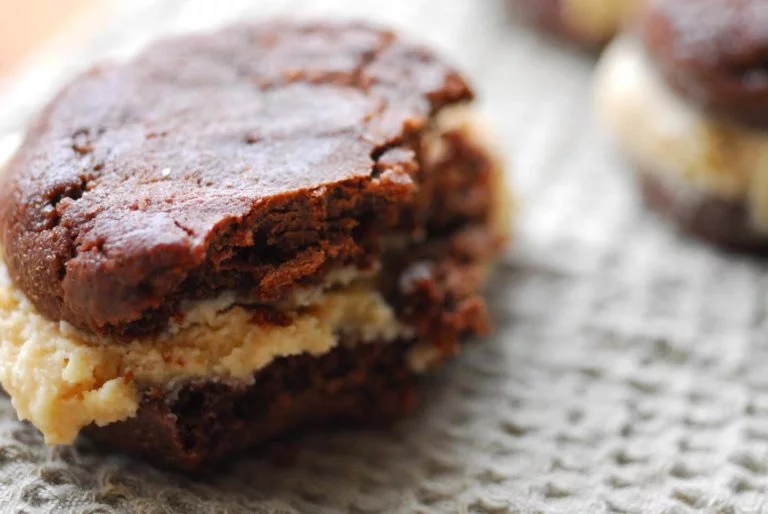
(628, 373)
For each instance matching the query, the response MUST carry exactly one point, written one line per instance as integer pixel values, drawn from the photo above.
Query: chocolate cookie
(241, 234)
(714, 53)
(590, 23)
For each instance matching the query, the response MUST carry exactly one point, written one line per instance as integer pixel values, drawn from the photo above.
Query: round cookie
(240, 235)
(714, 53)
(590, 23)
(707, 174)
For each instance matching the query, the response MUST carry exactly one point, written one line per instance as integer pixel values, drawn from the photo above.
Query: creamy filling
(666, 135)
(597, 19)
(62, 379)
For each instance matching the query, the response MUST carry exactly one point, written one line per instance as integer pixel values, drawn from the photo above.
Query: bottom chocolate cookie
(721, 221)
(200, 424)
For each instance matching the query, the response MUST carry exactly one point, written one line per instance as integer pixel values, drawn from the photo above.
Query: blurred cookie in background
(687, 99)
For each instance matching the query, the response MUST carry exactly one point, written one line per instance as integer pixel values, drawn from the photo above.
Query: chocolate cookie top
(213, 159)
(714, 53)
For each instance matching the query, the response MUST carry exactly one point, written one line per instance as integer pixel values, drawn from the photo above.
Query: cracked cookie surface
(253, 160)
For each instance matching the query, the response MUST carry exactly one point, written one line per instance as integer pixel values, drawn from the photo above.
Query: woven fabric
(627, 375)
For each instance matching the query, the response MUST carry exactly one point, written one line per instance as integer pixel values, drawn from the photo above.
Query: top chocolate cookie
(254, 160)
(714, 53)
